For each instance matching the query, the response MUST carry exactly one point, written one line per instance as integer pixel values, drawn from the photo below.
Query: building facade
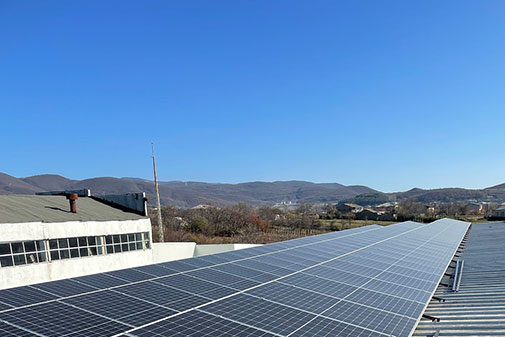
(41, 239)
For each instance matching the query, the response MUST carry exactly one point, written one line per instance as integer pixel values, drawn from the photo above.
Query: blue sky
(389, 94)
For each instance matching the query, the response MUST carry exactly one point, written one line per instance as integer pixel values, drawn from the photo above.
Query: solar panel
(8, 330)
(369, 281)
(64, 288)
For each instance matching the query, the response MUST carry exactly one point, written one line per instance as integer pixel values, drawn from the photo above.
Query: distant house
(203, 206)
(387, 207)
(370, 214)
(499, 213)
(367, 214)
(349, 208)
(476, 208)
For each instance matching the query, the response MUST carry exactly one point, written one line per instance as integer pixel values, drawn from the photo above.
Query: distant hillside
(490, 194)
(189, 194)
(368, 199)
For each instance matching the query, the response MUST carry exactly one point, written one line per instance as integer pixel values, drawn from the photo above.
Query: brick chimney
(72, 199)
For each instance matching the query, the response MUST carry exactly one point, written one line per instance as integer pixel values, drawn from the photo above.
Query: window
(53, 246)
(6, 255)
(64, 251)
(74, 251)
(20, 253)
(147, 240)
(38, 251)
(31, 252)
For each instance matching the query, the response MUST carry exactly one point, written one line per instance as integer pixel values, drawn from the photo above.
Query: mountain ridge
(256, 193)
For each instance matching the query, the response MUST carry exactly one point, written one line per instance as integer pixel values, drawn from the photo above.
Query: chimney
(72, 199)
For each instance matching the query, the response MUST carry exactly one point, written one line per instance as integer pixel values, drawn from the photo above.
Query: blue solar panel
(58, 319)
(198, 324)
(21, 296)
(370, 281)
(64, 288)
(7, 330)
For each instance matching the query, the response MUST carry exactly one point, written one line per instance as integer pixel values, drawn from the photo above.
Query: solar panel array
(369, 281)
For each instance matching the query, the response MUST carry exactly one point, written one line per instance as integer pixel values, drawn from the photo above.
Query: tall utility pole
(160, 221)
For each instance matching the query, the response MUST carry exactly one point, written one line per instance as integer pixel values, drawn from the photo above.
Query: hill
(189, 194)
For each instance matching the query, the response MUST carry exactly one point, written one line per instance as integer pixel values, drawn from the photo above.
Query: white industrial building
(41, 239)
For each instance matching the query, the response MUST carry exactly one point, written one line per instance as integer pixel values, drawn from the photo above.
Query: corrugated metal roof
(478, 309)
(32, 208)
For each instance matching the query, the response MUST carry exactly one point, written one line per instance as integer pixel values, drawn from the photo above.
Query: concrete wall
(60, 269)
(202, 250)
(40, 230)
(169, 251)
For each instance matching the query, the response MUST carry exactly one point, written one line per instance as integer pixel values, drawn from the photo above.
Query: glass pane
(42, 257)
(63, 243)
(138, 237)
(17, 247)
(110, 250)
(116, 239)
(64, 254)
(72, 242)
(117, 248)
(29, 246)
(31, 258)
(74, 253)
(83, 251)
(53, 244)
(131, 237)
(54, 255)
(6, 261)
(19, 259)
(124, 238)
(92, 250)
(108, 239)
(91, 241)
(82, 242)
(99, 250)
(132, 245)
(139, 244)
(124, 247)
(5, 248)
(40, 246)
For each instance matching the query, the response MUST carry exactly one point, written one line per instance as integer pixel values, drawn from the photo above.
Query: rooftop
(34, 208)
(478, 308)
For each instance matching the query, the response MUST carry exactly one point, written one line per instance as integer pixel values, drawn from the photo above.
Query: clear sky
(389, 94)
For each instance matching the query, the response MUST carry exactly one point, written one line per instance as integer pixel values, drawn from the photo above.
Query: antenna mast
(160, 221)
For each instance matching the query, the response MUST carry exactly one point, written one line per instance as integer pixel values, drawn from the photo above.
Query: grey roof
(478, 309)
(33, 208)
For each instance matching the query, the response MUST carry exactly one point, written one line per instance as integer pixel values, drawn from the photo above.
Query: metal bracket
(457, 275)
(432, 318)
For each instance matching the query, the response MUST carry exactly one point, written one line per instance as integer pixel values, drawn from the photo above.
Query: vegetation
(368, 199)
(244, 224)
